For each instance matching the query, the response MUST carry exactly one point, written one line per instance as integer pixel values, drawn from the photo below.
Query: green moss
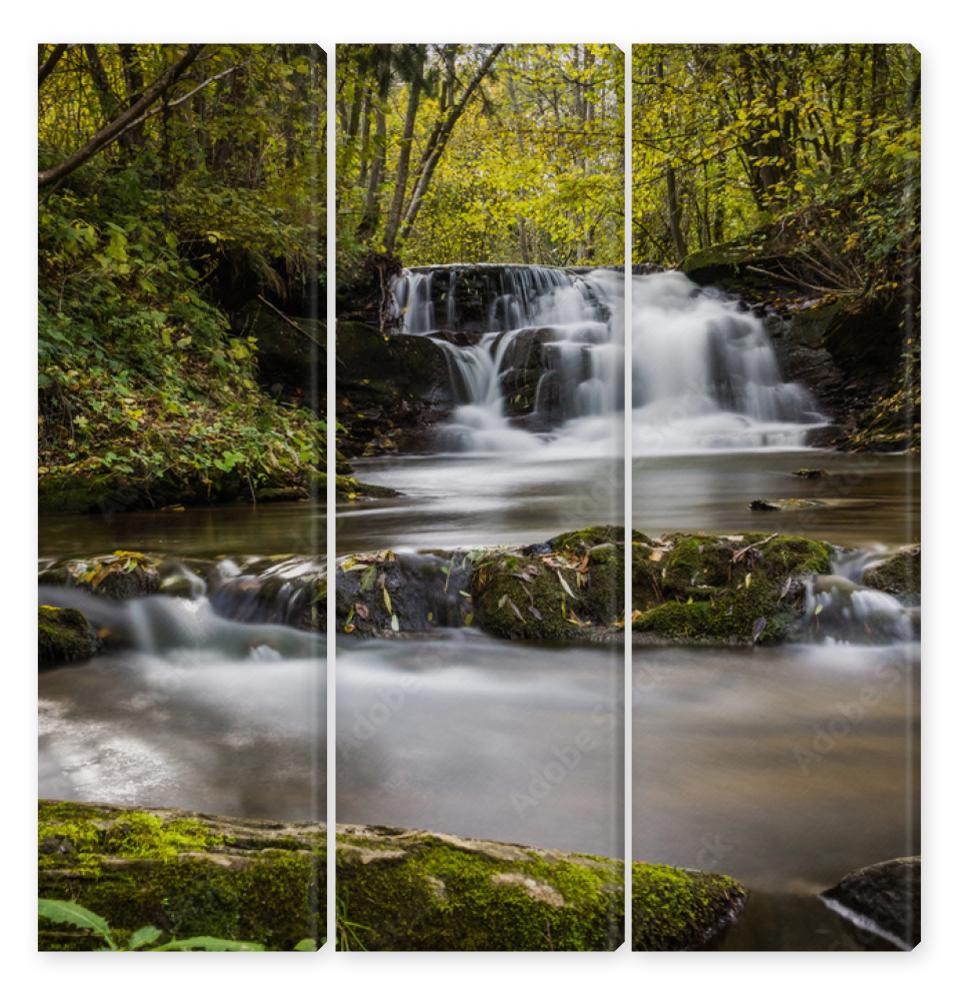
(516, 599)
(721, 589)
(63, 636)
(187, 875)
(678, 909)
(899, 574)
(436, 895)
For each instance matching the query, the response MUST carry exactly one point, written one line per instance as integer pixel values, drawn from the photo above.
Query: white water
(705, 375)
(578, 320)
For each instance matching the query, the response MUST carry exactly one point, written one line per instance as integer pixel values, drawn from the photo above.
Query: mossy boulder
(722, 589)
(120, 575)
(408, 890)
(681, 909)
(898, 574)
(63, 636)
(185, 873)
(568, 588)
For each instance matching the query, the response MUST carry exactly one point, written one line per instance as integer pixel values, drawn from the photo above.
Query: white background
(932, 967)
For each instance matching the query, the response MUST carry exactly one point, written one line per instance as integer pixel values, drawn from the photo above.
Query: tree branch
(113, 129)
(48, 64)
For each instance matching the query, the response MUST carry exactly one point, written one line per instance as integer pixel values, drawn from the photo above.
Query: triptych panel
(522, 674)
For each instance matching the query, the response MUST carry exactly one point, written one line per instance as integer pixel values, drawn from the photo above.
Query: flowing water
(188, 707)
(483, 738)
(783, 767)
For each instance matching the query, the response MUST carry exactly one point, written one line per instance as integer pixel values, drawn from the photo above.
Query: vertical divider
(628, 493)
(330, 501)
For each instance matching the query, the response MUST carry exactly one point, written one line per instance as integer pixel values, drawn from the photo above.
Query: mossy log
(187, 874)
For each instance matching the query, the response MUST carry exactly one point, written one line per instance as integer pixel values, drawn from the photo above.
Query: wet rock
(899, 574)
(811, 473)
(723, 589)
(121, 575)
(680, 909)
(63, 636)
(884, 898)
(389, 593)
(788, 503)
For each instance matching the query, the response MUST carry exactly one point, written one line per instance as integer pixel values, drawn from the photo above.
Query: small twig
(291, 322)
(740, 553)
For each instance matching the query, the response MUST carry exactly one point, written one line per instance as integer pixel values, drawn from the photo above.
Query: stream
(783, 767)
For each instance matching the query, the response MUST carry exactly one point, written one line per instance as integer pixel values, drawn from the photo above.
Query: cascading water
(705, 375)
(536, 356)
(535, 352)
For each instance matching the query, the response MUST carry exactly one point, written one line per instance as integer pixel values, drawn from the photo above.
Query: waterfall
(535, 353)
(536, 358)
(705, 375)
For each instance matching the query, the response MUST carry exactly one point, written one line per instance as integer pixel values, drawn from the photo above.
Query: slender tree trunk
(369, 222)
(405, 152)
(434, 150)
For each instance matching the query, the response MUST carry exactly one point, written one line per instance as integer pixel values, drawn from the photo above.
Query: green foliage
(142, 251)
(60, 911)
(812, 147)
(531, 172)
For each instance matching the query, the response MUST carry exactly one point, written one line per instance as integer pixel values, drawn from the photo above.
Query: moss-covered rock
(567, 588)
(898, 574)
(410, 890)
(679, 909)
(191, 874)
(63, 636)
(121, 575)
(722, 588)
(187, 874)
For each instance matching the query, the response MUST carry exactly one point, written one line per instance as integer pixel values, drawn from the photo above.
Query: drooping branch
(113, 129)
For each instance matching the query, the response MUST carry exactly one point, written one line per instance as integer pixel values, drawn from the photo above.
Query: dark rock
(290, 353)
(63, 636)
(787, 503)
(392, 389)
(885, 894)
(898, 574)
(388, 593)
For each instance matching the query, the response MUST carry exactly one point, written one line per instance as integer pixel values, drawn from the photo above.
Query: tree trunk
(405, 151)
(442, 133)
